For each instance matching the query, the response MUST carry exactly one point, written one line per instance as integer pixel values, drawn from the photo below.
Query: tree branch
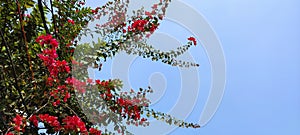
(14, 71)
(40, 108)
(40, 5)
(53, 19)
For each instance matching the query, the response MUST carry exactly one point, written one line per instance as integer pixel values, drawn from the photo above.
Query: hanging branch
(40, 5)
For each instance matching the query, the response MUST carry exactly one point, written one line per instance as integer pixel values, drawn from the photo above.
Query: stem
(25, 42)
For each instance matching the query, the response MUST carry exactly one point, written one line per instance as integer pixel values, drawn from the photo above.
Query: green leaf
(3, 49)
(29, 4)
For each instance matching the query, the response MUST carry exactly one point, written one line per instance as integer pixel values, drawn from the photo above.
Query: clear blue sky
(261, 44)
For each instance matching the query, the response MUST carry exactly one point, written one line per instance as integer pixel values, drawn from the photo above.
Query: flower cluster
(148, 23)
(69, 123)
(18, 124)
(115, 19)
(71, 21)
(143, 25)
(127, 107)
(51, 120)
(54, 66)
(74, 123)
(106, 93)
(80, 86)
(95, 11)
(48, 40)
(61, 90)
(34, 120)
(138, 25)
(49, 56)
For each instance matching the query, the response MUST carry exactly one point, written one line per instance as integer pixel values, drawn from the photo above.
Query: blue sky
(261, 44)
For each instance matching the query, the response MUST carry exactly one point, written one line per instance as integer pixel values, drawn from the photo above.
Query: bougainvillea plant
(44, 82)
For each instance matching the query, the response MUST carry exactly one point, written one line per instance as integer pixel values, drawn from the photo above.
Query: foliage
(44, 81)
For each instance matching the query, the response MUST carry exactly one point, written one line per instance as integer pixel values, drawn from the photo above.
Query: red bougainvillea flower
(10, 133)
(89, 81)
(51, 120)
(153, 28)
(94, 131)
(71, 21)
(56, 103)
(18, 122)
(34, 120)
(98, 82)
(80, 86)
(47, 39)
(74, 123)
(154, 6)
(81, 3)
(193, 40)
(50, 81)
(49, 56)
(138, 25)
(54, 43)
(148, 14)
(67, 96)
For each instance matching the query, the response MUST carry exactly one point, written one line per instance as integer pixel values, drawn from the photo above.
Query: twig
(8, 130)
(40, 108)
(71, 109)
